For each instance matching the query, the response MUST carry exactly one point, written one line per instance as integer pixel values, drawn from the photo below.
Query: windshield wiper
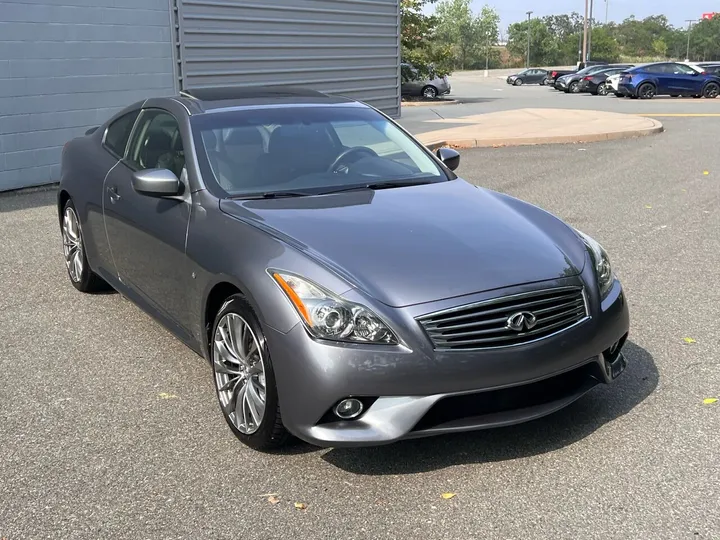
(274, 195)
(379, 185)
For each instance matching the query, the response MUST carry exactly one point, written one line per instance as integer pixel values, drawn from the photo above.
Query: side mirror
(450, 157)
(156, 183)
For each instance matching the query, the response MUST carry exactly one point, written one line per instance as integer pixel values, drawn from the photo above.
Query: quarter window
(118, 133)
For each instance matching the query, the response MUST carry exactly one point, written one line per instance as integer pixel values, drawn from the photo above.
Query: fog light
(348, 409)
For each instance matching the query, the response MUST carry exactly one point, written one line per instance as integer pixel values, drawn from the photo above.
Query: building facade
(67, 65)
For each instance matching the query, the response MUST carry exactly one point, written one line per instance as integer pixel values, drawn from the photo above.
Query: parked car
(563, 82)
(711, 69)
(597, 83)
(571, 83)
(415, 85)
(555, 74)
(283, 235)
(529, 76)
(670, 79)
(613, 82)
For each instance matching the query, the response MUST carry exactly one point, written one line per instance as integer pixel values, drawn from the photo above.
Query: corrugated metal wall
(347, 47)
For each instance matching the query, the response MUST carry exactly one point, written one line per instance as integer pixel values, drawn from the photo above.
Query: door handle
(114, 196)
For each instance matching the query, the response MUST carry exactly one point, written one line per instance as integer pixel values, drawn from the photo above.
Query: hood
(418, 244)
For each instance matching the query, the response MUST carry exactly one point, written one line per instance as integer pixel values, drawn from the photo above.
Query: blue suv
(669, 79)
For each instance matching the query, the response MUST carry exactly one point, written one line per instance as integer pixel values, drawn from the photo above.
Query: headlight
(603, 269)
(327, 316)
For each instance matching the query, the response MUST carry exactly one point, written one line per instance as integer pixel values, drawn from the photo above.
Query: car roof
(213, 99)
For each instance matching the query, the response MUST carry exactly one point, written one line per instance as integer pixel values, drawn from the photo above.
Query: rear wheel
(429, 92)
(244, 376)
(646, 91)
(711, 90)
(81, 276)
(544, 82)
(603, 90)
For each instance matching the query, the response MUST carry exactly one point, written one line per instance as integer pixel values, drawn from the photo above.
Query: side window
(680, 68)
(660, 68)
(118, 133)
(157, 143)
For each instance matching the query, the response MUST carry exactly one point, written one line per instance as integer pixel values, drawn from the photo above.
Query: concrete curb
(438, 103)
(656, 128)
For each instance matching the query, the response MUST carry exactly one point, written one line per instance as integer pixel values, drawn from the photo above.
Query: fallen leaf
(301, 506)
(273, 500)
(689, 340)
(706, 173)
(448, 495)
(266, 495)
(648, 206)
(165, 395)
(684, 190)
(710, 400)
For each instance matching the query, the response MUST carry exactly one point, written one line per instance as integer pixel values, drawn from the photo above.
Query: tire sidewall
(518, 82)
(710, 85)
(435, 92)
(264, 436)
(645, 85)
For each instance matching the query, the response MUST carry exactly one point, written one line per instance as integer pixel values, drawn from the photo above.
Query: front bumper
(415, 391)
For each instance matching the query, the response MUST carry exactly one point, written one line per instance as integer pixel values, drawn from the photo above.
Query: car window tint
(354, 134)
(157, 143)
(681, 68)
(118, 133)
(660, 68)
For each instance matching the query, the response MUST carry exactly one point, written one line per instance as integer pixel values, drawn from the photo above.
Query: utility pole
(528, 32)
(585, 33)
(687, 54)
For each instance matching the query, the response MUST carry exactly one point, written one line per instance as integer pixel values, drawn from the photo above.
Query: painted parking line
(678, 114)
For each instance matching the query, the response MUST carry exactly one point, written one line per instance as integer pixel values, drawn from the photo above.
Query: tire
(81, 275)
(258, 430)
(429, 92)
(603, 90)
(574, 87)
(711, 90)
(544, 82)
(518, 82)
(646, 91)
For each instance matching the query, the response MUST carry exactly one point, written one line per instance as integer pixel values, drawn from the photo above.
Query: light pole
(687, 53)
(589, 47)
(585, 33)
(528, 32)
(487, 53)
(607, 8)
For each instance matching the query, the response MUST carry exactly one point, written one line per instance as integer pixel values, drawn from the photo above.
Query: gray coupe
(344, 284)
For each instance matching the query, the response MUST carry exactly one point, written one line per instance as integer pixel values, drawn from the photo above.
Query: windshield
(306, 150)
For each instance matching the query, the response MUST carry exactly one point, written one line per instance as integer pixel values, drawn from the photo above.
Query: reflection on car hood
(423, 243)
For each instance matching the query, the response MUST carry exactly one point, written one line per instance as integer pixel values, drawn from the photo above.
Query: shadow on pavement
(602, 405)
(11, 201)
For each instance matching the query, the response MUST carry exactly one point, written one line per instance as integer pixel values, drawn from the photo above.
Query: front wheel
(574, 88)
(646, 91)
(711, 90)
(518, 82)
(81, 276)
(244, 376)
(429, 92)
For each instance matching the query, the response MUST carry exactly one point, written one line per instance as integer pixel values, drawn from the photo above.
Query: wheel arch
(62, 198)
(214, 301)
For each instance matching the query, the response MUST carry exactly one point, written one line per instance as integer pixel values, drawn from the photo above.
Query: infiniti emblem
(522, 320)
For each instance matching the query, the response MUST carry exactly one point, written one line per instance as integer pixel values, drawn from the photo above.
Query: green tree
(459, 27)
(419, 43)
(705, 40)
(604, 47)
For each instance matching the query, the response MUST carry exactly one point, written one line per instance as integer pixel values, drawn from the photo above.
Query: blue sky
(514, 10)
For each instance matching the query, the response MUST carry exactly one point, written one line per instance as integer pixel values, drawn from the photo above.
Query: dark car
(670, 79)
(284, 235)
(710, 69)
(529, 76)
(572, 82)
(563, 82)
(596, 83)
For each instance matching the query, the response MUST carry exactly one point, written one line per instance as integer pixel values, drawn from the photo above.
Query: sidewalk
(535, 126)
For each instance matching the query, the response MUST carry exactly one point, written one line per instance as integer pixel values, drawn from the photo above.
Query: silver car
(415, 85)
(345, 285)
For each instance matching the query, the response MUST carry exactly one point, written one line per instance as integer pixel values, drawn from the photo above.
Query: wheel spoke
(226, 370)
(240, 415)
(77, 264)
(255, 404)
(225, 347)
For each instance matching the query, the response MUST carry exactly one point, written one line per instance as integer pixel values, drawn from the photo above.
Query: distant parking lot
(111, 429)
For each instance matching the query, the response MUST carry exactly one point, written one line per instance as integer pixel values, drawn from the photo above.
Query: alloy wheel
(574, 88)
(603, 90)
(711, 91)
(429, 92)
(647, 91)
(72, 245)
(239, 373)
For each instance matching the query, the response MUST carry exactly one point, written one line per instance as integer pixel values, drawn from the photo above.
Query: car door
(146, 233)
(533, 76)
(681, 79)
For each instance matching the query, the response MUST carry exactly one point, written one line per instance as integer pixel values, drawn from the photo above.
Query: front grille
(487, 324)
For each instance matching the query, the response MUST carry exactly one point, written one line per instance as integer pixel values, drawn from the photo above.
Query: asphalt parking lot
(110, 427)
